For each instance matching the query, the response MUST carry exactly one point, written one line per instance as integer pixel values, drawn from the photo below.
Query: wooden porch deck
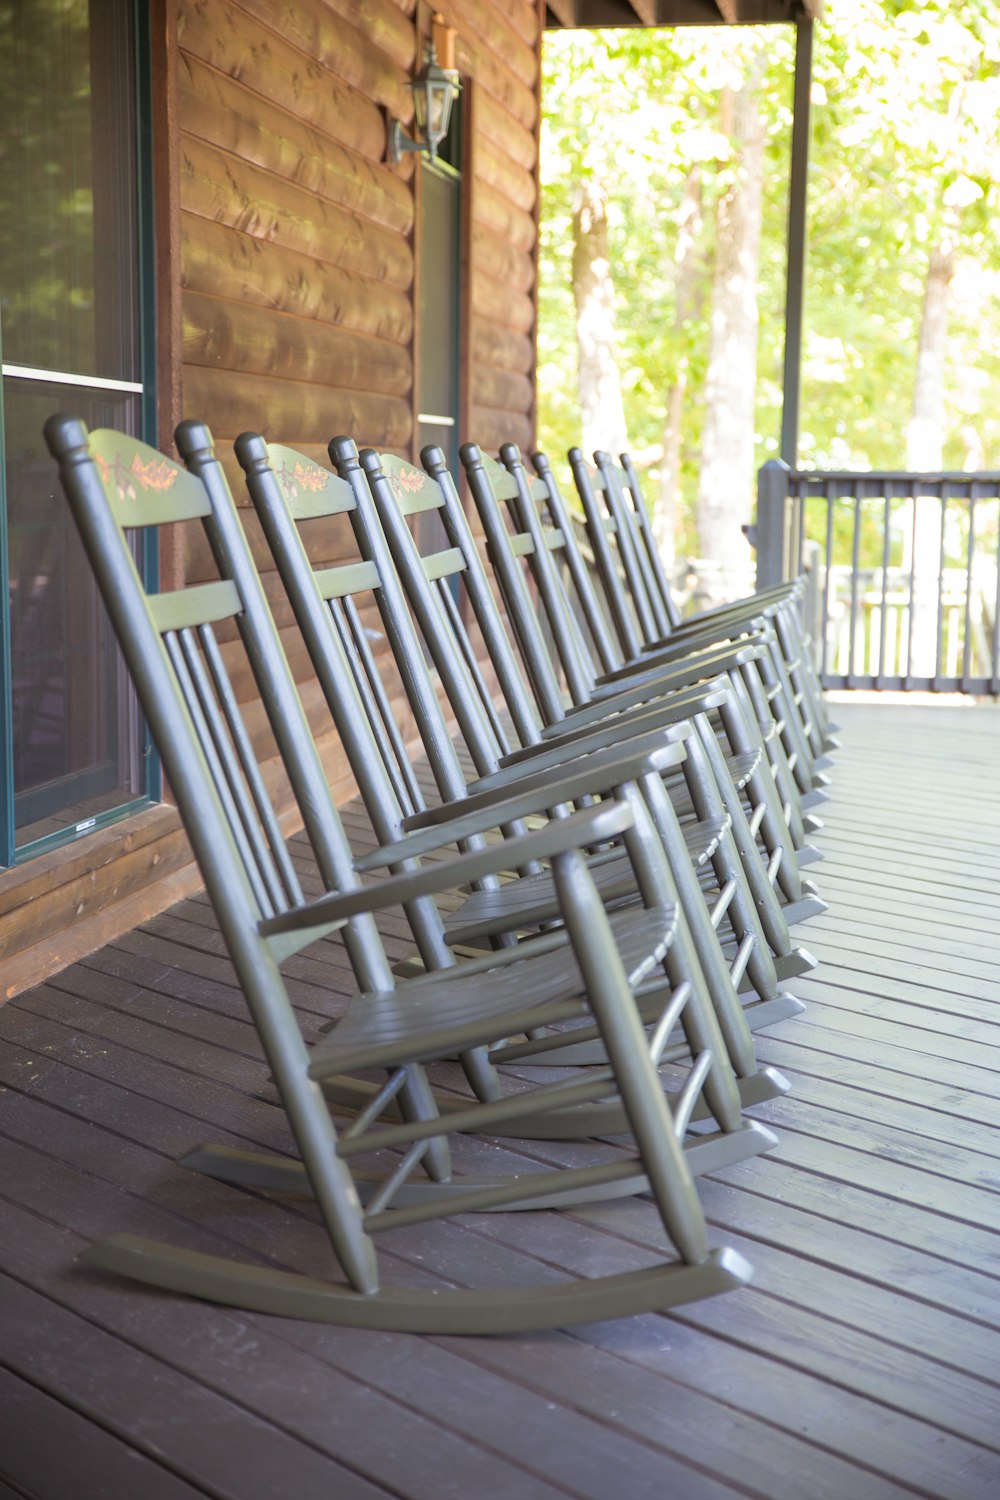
(863, 1362)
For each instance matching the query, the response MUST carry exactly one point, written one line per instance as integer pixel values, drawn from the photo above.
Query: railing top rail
(891, 482)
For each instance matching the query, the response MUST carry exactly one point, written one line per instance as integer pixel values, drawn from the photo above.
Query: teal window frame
(148, 559)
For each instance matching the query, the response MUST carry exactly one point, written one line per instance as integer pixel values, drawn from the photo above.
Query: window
(439, 279)
(72, 751)
(439, 282)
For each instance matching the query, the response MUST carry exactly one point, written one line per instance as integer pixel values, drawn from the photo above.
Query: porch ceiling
(584, 13)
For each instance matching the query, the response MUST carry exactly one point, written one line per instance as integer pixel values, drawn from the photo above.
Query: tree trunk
(725, 490)
(925, 452)
(687, 281)
(925, 433)
(601, 410)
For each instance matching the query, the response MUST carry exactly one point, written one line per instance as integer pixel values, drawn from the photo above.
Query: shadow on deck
(863, 1362)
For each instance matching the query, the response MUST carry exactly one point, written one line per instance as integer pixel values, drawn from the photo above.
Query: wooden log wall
(297, 259)
(299, 301)
(289, 305)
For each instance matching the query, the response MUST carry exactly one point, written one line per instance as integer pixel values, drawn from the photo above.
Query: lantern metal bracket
(399, 143)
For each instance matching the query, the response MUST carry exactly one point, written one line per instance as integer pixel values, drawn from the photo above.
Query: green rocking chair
(171, 648)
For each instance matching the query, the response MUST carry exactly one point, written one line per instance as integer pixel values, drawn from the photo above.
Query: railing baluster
(936, 684)
(827, 574)
(967, 629)
(884, 614)
(855, 557)
(995, 674)
(913, 577)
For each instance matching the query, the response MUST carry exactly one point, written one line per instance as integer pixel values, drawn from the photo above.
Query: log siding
(287, 303)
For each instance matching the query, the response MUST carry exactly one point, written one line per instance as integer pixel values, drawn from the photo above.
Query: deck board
(863, 1361)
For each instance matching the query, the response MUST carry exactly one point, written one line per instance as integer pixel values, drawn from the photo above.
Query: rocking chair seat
(431, 1018)
(533, 897)
(742, 767)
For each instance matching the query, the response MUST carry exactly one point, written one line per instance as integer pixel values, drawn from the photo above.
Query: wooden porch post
(795, 274)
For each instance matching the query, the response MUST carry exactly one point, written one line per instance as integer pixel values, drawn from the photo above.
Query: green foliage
(906, 148)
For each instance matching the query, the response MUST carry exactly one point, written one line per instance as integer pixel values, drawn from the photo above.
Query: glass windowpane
(68, 259)
(76, 738)
(69, 304)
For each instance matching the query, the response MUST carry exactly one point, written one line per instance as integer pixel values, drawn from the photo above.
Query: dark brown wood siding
(297, 256)
(299, 308)
(287, 305)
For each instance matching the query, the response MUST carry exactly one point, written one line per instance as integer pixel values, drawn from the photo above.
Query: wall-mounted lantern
(435, 90)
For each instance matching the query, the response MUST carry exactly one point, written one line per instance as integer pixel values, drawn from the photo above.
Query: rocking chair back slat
(461, 637)
(216, 760)
(484, 605)
(382, 530)
(230, 773)
(546, 492)
(631, 550)
(372, 690)
(144, 488)
(524, 520)
(516, 594)
(606, 556)
(292, 890)
(309, 490)
(443, 564)
(281, 479)
(631, 487)
(413, 494)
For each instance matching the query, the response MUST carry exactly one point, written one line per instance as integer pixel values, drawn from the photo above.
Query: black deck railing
(904, 572)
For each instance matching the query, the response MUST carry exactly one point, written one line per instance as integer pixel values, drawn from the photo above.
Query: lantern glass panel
(439, 108)
(420, 108)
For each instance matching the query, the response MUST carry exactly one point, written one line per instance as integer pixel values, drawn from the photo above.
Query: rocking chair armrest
(730, 616)
(755, 630)
(700, 669)
(499, 806)
(669, 715)
(559, 836)
(765, 602)
(679, 666)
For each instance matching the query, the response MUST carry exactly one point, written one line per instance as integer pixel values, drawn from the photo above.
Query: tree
(602, 415)
(725, 488)
(631, 121)
(903, 204)
(691, 266)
